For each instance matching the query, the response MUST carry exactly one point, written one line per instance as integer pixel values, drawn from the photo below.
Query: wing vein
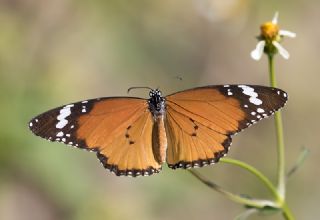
(197, 121)
(224, 113)
(95, 128)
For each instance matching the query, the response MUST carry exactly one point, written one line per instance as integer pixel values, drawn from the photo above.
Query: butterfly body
(135, 136)
(159, 139)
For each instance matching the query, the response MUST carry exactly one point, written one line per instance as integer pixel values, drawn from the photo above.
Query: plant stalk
(280, 140)
(257, 203)
(255, 172)
(287, 212)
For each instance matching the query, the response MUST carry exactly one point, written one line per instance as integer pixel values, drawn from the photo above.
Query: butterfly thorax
(157, 103)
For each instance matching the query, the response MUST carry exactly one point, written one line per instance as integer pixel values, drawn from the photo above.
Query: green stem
(280, 141)
(257, 203)
(272, 75)
(255, 172)
(280, 202)
(287, 212)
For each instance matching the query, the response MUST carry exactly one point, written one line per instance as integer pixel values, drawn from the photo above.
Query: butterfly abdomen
(159, 140)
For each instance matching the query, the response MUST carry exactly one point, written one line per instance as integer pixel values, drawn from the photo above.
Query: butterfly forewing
(118, 129)
(200, 121)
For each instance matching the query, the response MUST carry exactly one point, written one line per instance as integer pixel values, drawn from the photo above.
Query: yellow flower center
(269, 30)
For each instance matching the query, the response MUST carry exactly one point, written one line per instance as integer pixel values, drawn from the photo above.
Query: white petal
(287, 33)
(275, 18)
(283, 52)
(256, 54)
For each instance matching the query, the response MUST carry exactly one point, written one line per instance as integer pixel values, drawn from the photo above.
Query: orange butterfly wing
(201, 121)
(118, 129)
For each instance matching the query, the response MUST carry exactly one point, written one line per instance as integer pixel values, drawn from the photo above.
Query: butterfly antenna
(138, 87)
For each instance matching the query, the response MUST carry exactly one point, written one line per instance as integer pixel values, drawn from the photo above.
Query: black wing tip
(35, 127)
(129, 172)
(257, 115)
(281, 93)
(32, 124)
(68, 140)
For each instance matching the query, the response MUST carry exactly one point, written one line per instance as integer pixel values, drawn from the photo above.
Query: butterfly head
(156, 102)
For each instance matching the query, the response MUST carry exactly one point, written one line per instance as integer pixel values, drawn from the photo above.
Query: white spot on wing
(59, 134)
(64, 113)
(30, 124)
(249, 91)
(260, 110)
(255, 101)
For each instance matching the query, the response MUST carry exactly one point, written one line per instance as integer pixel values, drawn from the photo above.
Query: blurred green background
(57, 52)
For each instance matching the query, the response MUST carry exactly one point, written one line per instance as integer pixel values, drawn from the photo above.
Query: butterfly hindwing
(201, 121)
(131, 153)
(118, 129)
(191, 143)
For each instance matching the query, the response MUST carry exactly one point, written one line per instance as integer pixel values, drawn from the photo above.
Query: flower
(270, 38)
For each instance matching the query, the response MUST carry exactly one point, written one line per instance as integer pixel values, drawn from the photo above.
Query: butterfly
(135, 136)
